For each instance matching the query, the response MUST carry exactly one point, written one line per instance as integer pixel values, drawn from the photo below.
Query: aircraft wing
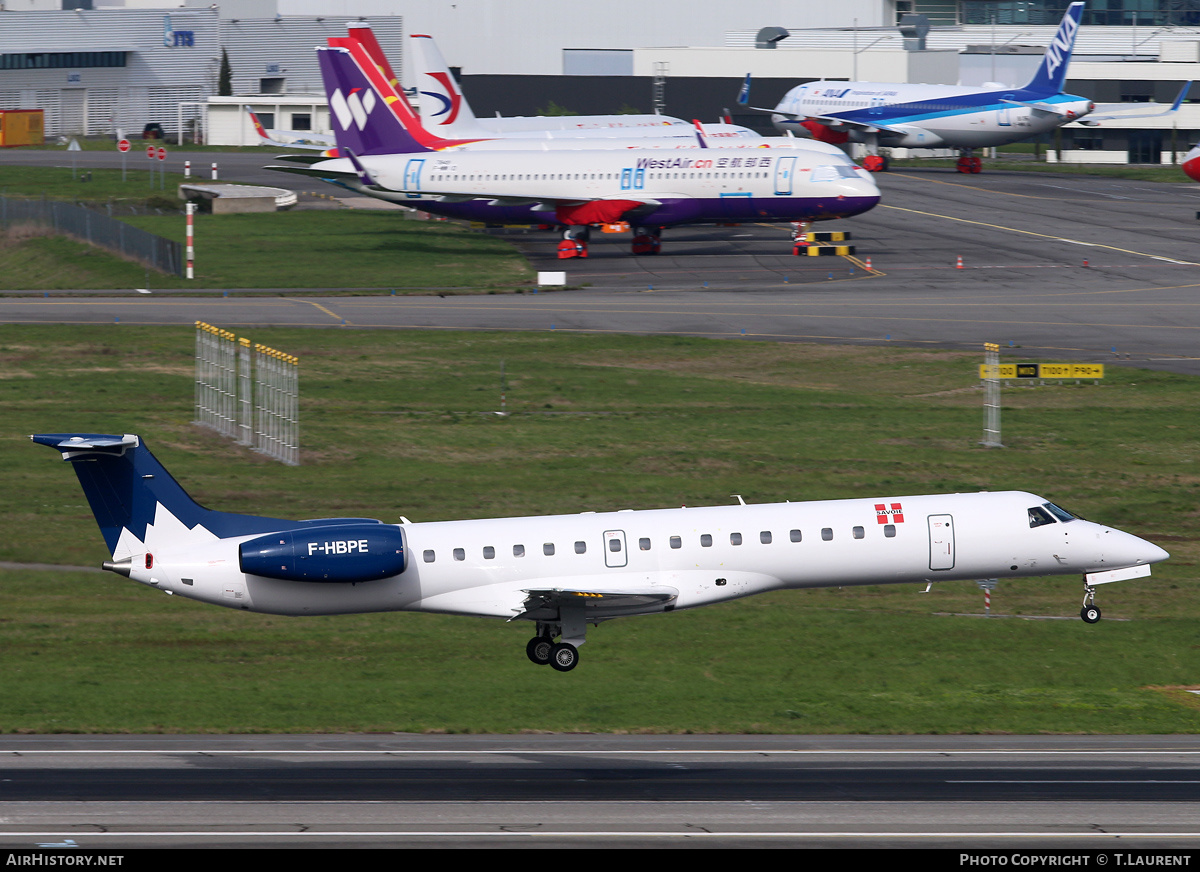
(313, 170)
(1115, 113)
(597, 602)
(832, 121)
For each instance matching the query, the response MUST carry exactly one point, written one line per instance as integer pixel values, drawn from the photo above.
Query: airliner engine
(335, 553)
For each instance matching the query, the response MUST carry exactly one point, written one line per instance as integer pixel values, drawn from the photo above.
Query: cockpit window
(1039, 516)
(1058, 512)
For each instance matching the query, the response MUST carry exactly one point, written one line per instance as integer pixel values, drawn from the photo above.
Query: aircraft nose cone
(1155, 554)
(1128, 550)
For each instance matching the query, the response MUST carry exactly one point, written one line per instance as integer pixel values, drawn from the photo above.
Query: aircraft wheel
(564, 657)
(538, 650)
(1090, 614)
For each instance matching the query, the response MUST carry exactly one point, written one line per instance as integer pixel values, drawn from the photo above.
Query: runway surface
(105, 793)
(1023, 238)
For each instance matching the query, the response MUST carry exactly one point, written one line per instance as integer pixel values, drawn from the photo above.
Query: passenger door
(941, 542)
(614, 548)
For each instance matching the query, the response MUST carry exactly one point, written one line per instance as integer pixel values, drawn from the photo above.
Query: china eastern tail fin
(1052, 73)
(444, 107)
(132, 495)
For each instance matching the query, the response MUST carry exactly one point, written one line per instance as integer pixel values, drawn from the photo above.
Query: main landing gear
(574, 242)
(1090, 611)
(647, 240)
(543, 650)
(968, 163)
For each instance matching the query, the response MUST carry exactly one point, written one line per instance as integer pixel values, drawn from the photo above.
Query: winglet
(258, 128)
(1183, 92)
(364, 175)
(700, 137)
(743, 97)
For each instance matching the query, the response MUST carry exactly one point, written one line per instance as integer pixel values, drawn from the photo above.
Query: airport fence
(252, 396)
(99, 230)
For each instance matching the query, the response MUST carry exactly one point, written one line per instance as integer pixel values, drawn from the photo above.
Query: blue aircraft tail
(1052, 73)
(743, 96)
(125, 485)
(363, 122)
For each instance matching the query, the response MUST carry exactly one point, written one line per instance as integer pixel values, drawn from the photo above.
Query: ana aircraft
(445, 111)
(891, 114)
(647, 188)
(563, 572)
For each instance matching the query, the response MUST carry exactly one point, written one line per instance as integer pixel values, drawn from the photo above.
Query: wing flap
(597, 603)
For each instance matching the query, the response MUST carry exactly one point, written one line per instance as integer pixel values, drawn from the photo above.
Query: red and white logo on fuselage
(889, 514)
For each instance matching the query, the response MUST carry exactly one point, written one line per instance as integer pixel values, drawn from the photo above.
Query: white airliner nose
(1125, 549)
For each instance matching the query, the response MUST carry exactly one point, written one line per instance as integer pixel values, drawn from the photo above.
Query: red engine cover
(821, 133)
(595, 212)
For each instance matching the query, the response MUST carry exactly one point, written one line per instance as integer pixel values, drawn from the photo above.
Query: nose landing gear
(1090, 611)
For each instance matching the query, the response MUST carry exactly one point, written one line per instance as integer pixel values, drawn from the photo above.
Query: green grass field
(401, 423)
(296, 249)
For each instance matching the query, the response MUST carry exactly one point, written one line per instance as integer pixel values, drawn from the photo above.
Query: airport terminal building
(114, 69)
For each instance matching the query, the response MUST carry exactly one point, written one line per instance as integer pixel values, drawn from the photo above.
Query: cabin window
(889, 531)
(580, 547)
(460, 554)
(489, 553)
(796, 536)
(859, 532)
(429, 556)
(548, 549)
(735, 538)
(614, 545)
(1039, 517)
(644, 544)
(705, 541)
(765, 537)
(676, 542)
(827, 534)
(518, 551)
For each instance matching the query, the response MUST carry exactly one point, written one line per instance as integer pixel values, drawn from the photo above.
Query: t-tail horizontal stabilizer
(125, 486)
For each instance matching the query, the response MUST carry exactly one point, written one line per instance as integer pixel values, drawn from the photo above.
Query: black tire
(564, 657)
(538, 650)
(1090, 614)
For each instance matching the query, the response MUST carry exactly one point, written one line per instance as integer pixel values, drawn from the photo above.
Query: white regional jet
(563, 572)
(932, 116)
(385, 154)
(446, 112)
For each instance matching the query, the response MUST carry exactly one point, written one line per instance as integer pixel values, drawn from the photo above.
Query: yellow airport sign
(1042, 370)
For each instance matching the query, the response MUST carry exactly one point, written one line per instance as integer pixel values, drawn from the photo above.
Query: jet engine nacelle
(337, 553)
(904, 137)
